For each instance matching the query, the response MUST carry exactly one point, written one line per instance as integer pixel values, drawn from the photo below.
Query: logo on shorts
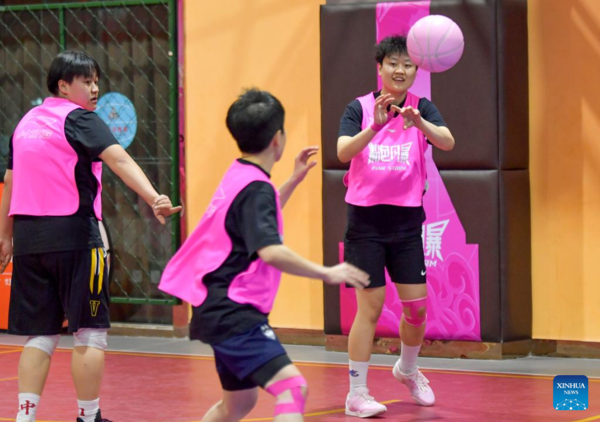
(94, 305)
(268, 332)
(570, 392)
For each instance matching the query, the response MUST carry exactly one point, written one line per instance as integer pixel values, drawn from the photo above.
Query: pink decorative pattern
(452, 265)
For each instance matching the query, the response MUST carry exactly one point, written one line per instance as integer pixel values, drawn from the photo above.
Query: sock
(358, 375)
(88, 409)
(408, 358)
(28, 404)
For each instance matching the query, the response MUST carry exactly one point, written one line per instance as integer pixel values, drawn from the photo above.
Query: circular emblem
(119, 114)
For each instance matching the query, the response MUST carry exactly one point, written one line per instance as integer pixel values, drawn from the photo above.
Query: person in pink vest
(49, 216)
(230, 266)
(384, 135)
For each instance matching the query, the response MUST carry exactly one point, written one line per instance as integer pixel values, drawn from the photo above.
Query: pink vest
(209, 245)
(391, 169)
(44, 164)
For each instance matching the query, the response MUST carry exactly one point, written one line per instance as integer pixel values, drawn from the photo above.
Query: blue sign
(119, 114)
(570, 392)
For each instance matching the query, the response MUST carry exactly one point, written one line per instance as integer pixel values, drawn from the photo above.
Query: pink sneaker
(360, 403)
(417, 384)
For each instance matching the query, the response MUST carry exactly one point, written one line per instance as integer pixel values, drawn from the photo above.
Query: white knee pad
(91, 337)
(46, 343)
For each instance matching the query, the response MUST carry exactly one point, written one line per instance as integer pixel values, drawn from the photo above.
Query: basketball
(435, 43)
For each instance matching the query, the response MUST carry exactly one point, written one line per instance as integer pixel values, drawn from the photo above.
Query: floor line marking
(340, 365)
(593, 418)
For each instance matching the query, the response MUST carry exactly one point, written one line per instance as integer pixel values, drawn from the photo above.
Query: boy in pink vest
(384, 135)
(230, 266)
(49, 216)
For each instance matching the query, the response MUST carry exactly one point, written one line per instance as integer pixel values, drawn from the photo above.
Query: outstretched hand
(347, 273)
(302, 165)
(162, 208)
(381, 114)
(411, 116)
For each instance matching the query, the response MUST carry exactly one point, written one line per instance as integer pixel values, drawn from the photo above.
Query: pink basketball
(435, 43)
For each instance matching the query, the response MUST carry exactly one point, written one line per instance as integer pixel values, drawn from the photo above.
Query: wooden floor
(147, 387)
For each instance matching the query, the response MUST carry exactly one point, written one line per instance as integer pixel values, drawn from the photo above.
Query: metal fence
(135, 44)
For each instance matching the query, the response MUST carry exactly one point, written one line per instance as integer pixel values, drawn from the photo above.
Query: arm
(6, 223)
(127, 170)
(440, 136)
(301, 168)
(349, 147)
(286, 260)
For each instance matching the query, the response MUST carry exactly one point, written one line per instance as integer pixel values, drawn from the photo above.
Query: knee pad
(91, 337)
(294, 385)
(46, 343)
(413, 307)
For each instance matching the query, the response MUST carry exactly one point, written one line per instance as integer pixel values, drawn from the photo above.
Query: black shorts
(250, 359)
(401, 254)
(48, 287)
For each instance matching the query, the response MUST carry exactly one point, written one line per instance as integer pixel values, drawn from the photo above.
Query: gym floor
(174, 380)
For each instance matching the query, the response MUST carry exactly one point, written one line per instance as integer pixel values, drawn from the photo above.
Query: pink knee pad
(294, 386)
(413, 307)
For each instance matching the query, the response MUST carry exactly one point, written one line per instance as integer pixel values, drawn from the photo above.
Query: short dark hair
(253, 119)
(394, 44)
(68, 65)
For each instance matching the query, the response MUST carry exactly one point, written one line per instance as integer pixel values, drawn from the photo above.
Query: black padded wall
(484, 100)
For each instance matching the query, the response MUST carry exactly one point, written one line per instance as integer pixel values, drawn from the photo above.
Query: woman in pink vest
(49, 217)
(384, 135)
(230, 266)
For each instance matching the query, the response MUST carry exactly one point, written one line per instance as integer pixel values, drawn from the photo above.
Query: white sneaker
(360, 403)
(417, 384)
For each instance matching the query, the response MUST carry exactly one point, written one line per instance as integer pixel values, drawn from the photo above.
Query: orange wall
(273, 45)
(564, 67)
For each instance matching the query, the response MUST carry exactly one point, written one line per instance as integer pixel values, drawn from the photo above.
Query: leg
(411, 334)
(234, 406)
(87, 363)
(360, 340)
(370, 256)
(290, 389)
(34, 307)
(33, 372)
(407, 267)
(84, 292)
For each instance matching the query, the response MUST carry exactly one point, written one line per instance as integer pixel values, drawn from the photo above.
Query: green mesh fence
(135, 44)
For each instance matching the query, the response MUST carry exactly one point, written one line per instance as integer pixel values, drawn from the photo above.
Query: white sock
(28, 404)
(88, 409)
(358, 375)
(408, 358)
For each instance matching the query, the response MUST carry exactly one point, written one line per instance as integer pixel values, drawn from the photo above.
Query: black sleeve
(431, 113)
(88, 129)
(255, 213)
(351, 121)
(9, 159)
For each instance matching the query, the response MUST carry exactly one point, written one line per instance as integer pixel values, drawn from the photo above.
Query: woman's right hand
(381, 115)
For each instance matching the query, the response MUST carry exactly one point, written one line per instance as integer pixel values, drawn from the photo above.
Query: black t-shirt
(251, 223)
(383, 219)
(89, 136)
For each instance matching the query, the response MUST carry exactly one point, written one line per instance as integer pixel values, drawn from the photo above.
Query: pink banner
(453, 309)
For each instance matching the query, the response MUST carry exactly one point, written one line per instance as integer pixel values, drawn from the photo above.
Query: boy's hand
(411, 116)
(301, 165)
(347, 273)
(6, 252)
(162, 208)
